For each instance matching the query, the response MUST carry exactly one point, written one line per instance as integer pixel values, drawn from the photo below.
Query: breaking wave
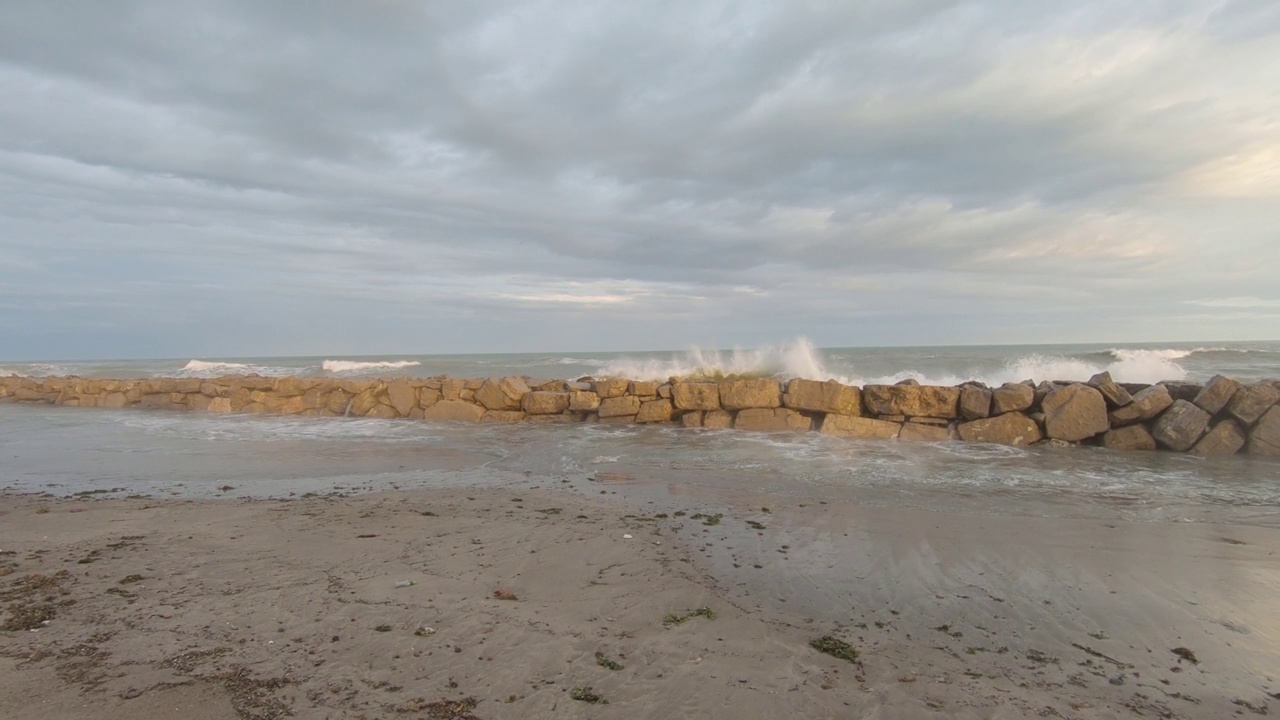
(355, 366)
(800, 359)
(213, 368)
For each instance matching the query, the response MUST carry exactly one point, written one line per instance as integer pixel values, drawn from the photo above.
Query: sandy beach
(524, 602)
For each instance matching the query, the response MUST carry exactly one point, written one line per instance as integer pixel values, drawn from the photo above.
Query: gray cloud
(186, 178)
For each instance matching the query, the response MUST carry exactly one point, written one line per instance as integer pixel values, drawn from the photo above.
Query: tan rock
(1251, 401)
(1216, 394)
(1011, 397)
(825, 397)
(1225, 438)
(338, 401)
(295, 405)
(717, 420)
(451, 388)
(402, 396)
(454, 410)
(653, 411)
(612, 420)
(501, 393)
(619, 406)
(859, 427)
(1011, 428)
(1075, 412)
(290, 386)
(583, 401)
(755, 393)
(1264, 439)
(645, 388)
(616, 387)
(912, 400)
(664, 391)
(691, 419)
(428, 396)
(1146, 404)
(383, 411)
(563, 419)
(924, 433)
(1129, 437)
(114, 400)
(696, 396)
(502, 416)
(540, 402)
(975, 402)
(1179, 427)
(1115, 395)
(772, 420)
(363, 403)
(220, 405)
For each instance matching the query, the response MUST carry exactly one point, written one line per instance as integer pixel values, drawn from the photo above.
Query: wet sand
(520, 597)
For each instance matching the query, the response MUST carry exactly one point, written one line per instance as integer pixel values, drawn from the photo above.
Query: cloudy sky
(185, 179)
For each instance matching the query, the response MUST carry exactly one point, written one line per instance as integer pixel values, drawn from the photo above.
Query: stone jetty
(1219, 417)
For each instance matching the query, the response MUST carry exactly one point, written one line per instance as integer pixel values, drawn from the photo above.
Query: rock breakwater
(1219, 417)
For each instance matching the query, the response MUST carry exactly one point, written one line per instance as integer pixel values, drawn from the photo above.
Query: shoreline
(954, 615)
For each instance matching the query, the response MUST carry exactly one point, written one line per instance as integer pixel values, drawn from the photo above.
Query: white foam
(796, 360)
(354, 366)
(204, 367)
(1131, 366)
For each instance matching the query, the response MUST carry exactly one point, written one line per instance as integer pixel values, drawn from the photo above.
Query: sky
(223, 178)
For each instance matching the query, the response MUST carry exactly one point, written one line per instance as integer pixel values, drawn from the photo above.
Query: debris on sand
(835, 648)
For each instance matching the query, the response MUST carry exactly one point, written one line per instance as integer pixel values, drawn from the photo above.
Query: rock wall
(1220, 417)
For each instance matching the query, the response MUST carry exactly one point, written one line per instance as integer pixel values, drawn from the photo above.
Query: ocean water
(993, 364)
(70, 450)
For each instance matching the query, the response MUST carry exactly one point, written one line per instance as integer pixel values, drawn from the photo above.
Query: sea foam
(355, 366)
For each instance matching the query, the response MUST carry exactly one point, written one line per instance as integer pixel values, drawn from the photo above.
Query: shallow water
(71, 450)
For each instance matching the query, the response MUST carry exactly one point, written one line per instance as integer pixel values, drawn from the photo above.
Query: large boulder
(1129, 437)
(1216, 394)
(1264, 439)
(912, 400)
(501, 393)
(1147, 404)
(583, 401)
(772, 420)
(540, 402)
(647, 389)
(454, 410)
(924, 432)
(1115, 395)
(1226, 438)
(1182, 389)
(696, 396)
(826, 397)
(975, 402)
(619, 406)
(403, 396)
(1251, 401)
(1075, 412)
(656, 410)
(616, 387)
(717, 420)
(859, 427)
(1179, 427)
(1012, 397)
(745, 394)
(1013, 428)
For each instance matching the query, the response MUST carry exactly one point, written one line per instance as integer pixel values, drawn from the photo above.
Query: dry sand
(265, 609)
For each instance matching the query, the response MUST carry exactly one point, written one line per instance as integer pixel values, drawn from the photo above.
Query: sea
(68, 451)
